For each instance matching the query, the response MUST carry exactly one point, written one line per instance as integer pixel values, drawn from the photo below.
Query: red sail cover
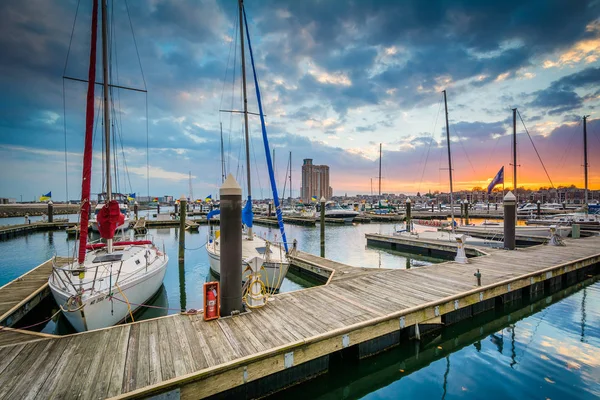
(109, 218)
(87, 151)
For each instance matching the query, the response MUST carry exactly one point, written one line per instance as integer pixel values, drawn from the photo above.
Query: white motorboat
(335, 211)
(107, 287)
(520, 230)
(107, 281)
(123, 208)
(275, 266)
(567, 219)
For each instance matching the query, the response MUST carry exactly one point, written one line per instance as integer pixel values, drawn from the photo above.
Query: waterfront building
(315, 181)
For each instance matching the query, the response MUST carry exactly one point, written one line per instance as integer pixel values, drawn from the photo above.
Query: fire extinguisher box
(211, 301)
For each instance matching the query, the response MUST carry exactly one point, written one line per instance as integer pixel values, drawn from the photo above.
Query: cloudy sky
(337, 78)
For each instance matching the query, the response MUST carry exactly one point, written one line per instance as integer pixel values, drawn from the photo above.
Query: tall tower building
(315, 181)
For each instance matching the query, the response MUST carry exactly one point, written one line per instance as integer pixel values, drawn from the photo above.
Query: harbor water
(182, 288)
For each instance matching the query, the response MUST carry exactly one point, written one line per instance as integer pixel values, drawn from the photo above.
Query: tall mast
(585, 162)
(222, 157)
(291, 196)
(109, 242)
(449, 161)
(379, 175)
(514, 110)
(240, 6)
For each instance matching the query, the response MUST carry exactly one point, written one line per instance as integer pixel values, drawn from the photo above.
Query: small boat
(108, 280)
(335, 211)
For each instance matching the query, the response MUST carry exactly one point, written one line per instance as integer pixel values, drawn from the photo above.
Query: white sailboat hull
(272, 273)
(97, 310)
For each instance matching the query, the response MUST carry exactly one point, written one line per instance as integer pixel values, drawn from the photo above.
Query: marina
(325, 320)
(236, 200)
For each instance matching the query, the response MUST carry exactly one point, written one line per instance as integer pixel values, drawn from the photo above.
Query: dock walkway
(325, 269)
(201, 359)
(9, 231)
(22, 294)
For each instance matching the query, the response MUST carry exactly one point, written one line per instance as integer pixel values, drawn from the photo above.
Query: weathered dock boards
(325, 269)
(140, 226)
(22, 294)
(204, 358)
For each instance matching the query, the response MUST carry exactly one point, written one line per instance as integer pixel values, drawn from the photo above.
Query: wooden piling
(323, 227)
(408, 214)
(182, 203)
(510, 220)
(50, 211)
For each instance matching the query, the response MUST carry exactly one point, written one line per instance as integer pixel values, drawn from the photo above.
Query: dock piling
(510, 220)
(135, 210)
(182, 202)
(323, 227)
(408, 214)
(231, 247)
(50, 211)
(539, 209)
(466, 212)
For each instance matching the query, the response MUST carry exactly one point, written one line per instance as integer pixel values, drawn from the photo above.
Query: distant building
(315, 181)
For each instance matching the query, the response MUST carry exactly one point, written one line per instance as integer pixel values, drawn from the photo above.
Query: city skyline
(336, 82)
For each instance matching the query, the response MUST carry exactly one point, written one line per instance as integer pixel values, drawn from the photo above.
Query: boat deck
(22, 294)
(204, 358)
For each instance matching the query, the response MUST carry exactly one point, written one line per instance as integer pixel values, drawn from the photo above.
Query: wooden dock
(24, 293)
(324, 269)
(426, 247)
(10, 231)
(295, 332)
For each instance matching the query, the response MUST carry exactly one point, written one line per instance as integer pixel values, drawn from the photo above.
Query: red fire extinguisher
(211, 300)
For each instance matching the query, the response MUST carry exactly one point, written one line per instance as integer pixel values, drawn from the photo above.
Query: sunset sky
(337, 78)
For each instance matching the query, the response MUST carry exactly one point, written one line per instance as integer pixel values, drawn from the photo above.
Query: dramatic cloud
(337, 79)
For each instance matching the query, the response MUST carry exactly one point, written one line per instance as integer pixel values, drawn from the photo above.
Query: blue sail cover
(266, 141)
(247, 214)
(212, 214)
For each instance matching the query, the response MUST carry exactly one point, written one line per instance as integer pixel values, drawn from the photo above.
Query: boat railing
(65, 275)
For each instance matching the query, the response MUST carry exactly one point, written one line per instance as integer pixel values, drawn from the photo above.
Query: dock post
(50, 211)
(323, 227)
(408, 214)
(182, 203)
(466, 212)
(269, 212)
(510, 220)
(539, 209)
(176, 209)
(135, 210)
(440, 207)
(431, 207)
(231, 247)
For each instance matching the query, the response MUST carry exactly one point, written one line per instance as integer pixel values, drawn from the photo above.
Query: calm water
(547, 349)
(182, 287)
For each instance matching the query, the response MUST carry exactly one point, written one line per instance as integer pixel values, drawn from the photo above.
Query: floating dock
(287, 341)
(10, 231)
(426, 247)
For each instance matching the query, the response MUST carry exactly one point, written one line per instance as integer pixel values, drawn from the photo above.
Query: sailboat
(275, 255)
(108, 280)
(431, 233)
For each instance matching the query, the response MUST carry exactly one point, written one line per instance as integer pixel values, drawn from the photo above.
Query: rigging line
(536, 151)
(430, 142)
(65, 128)
(71, 39)
(563, 159)
(147, 150)
(229, 134)
(231, 44)
(136, 46)
(492, 153)
(464, 149)
(256, 166)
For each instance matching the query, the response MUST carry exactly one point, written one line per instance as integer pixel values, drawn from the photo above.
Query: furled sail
(266, 141)
(87, 152)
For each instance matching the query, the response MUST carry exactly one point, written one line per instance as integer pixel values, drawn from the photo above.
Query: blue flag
(498, 179)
